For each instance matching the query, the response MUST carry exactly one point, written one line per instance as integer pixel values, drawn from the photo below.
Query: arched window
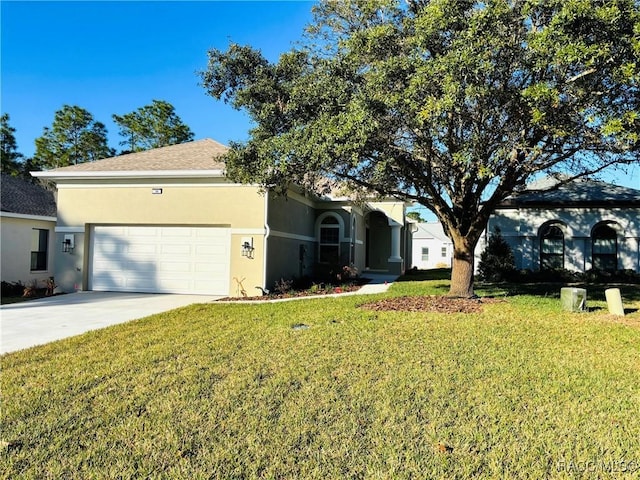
(329, 244)
(551, 248)
(604, 246)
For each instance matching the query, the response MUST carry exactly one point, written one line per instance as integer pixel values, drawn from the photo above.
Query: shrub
(496, 261)
(561, 275)
(620, 276)
(335, 274)
(12, 289)
(283, 286)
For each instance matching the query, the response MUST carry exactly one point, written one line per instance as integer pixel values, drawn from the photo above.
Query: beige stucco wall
(294, 224)
(293, 215)
(15, 245)
(241, 208)
(291, 227)
(395, 210)
(70, 271)
(358, 236)
(395, 261)
(248, 271)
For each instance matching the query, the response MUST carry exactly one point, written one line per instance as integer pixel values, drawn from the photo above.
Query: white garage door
(191, 260)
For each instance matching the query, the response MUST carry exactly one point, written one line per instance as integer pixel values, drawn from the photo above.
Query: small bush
(32, 289)
(562, 275)
(12, 289)
(556, 275)
(334, 274)
(497, 263)
(619, 276)
(283, 286)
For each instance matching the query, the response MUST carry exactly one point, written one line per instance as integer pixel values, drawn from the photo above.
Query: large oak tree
(453, 104)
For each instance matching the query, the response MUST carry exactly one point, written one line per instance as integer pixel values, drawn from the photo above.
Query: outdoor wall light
(247, 247)
(68, 244)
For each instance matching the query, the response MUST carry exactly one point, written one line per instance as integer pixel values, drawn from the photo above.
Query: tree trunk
(462, 272)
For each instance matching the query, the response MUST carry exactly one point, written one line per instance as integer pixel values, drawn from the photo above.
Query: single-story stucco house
(27, 223)
(578, 226)
(430, 246)
(168, 220)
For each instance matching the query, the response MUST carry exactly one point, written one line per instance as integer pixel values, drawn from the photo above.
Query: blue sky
(114, 57)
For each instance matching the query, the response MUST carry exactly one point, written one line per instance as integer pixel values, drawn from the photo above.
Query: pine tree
(496, 261)
(74, 137)
(9, 154)
(152, 126)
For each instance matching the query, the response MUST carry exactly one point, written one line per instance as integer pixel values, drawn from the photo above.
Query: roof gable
(21, 197)
(190, 156)
(577, 193)
(433, 230)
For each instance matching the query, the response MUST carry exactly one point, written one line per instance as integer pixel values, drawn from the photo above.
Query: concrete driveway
(37, 322)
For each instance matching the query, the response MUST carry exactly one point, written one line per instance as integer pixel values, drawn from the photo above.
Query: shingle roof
(196, 155)
(431, 230)
(21, 197)
(577, 193)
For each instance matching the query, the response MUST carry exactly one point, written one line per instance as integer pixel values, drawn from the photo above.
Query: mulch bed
(325, 290)
(431, 303)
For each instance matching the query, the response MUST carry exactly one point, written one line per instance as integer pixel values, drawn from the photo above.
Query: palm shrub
(496, 261)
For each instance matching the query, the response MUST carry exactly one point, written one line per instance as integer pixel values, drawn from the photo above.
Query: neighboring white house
(27, 224)
(431, 248)
(579, 226)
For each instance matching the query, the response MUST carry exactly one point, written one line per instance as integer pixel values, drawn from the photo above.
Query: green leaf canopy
(453, 104)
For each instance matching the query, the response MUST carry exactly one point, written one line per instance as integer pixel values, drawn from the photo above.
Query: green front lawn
(522, 390)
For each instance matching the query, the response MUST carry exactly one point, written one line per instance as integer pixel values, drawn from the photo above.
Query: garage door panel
(141, 284)
(176, 267)
(115, 280)
(140, 267)
(142, 232)
(218, 285)
(106, 265)
(177, 232)
(161, 259)
(177, 249)
(110, 248)
(205, 268)
(210, 250)
(149, 248)
(113, 231)
(213, 256)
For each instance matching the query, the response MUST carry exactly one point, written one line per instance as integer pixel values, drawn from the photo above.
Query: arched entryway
(383, 243)
(378, 241)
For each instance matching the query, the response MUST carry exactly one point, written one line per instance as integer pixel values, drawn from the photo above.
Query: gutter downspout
(266, 237)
